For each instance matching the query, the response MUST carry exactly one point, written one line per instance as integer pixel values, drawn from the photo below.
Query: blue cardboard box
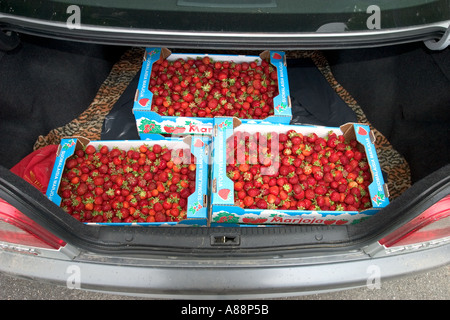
(225, 211)
(197, 211)
(150, 122)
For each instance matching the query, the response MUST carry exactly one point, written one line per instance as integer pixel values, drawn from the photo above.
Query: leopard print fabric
(90, 122)
(391, 162)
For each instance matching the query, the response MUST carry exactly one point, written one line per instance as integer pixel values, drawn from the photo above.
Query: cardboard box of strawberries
(132, 182)
(286, 174)
(182, 93)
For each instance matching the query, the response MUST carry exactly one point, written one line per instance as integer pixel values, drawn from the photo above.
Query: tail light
(432, 224)
(17, 228)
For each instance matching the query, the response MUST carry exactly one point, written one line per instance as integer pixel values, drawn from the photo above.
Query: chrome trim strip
(123, 36)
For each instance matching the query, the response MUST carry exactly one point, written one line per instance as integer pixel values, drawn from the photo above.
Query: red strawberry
(349, 199)
(253, 192)
(66, 193)
(320, 190)
(318, 175)
(261, 204)
(71, 163)
(335, 196)
(188, 97)
(99, 181)
(248, 201)
(160, 217)
(90, 149)
(82, 189)
(309, 194)
(212, 104)
(157, 148)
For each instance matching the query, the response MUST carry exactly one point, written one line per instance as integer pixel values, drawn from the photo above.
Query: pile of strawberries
(205, 88)
(145, 184)
(291, 171)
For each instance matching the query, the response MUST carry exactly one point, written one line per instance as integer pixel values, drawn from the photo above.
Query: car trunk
(54, 88)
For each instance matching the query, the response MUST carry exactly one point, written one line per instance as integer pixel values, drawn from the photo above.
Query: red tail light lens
(432, 224)
(17, 228)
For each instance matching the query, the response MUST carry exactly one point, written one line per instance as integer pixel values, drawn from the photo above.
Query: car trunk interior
(54, 88)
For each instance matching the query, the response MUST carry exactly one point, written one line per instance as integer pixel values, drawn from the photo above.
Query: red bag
(36, 168)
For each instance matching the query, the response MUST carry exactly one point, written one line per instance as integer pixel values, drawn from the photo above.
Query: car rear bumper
(224, 278)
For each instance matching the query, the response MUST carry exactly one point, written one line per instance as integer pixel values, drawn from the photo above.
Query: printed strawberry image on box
(148, 183)
(182, 93)
(285, 174)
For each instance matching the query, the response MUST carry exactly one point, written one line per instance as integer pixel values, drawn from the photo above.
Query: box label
(225, 214)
